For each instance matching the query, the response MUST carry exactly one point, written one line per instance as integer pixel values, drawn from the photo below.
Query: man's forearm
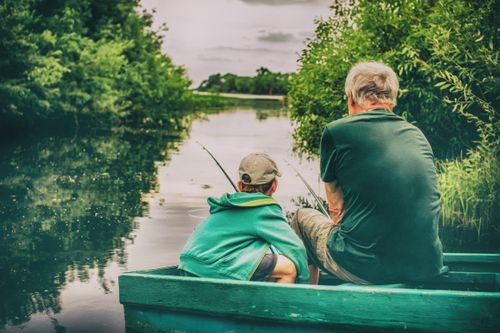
(335, 198)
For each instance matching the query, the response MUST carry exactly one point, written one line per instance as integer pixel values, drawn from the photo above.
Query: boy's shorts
(262, 273)
(265, 268)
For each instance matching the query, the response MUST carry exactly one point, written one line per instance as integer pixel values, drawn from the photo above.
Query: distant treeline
(86, 61)
(264, 83)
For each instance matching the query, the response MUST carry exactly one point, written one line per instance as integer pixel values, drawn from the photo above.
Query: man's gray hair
(372, 82)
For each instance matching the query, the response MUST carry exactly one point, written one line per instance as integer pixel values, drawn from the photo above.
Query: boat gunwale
(364, 307)
(344, 287)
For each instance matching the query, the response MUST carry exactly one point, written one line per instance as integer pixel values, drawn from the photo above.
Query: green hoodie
(232, 241)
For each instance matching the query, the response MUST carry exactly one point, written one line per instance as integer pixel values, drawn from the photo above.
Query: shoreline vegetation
(237, 96)
(89, 64)
(446, 55)
(265, 82)
(71, 67)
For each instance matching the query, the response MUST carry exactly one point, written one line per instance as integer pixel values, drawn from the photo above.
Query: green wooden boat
(465, 298)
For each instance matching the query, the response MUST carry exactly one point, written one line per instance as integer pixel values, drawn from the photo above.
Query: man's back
(385, 168)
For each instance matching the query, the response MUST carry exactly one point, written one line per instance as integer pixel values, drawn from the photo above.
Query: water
(75, 212)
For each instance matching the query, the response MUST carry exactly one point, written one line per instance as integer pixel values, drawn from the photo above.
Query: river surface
(75, 212)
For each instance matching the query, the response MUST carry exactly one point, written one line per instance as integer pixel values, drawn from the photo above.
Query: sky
(236, 36)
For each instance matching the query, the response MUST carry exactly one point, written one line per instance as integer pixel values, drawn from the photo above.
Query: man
(234, 241)
(380, 182)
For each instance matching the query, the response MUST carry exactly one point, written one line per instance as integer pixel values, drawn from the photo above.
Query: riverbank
(279, 98)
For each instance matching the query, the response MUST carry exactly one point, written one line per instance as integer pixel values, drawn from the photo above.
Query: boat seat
(328, 277)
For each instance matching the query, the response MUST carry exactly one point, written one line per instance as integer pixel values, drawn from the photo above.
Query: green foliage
(469, 75)
(399, 33)
(264, 83)
(212, 101)
(92, 60)
(470, 190)
(316, 91)
(446, 55)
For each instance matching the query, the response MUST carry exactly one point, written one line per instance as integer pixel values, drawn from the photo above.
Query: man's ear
(351, 105)
(350, 100)
(240, 186)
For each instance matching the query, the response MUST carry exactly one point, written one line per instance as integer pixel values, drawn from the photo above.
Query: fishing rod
(315, 196)
(218, 164)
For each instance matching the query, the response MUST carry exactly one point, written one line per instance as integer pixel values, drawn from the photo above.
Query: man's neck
(355, 109)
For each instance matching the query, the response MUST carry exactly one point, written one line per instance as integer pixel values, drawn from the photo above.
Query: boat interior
(465, 272)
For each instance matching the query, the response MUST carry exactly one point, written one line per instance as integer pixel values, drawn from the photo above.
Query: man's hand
(335, 198)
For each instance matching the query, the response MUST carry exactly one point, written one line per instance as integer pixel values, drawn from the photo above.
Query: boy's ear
(274, 186)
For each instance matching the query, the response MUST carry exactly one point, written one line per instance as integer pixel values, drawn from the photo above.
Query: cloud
(278, 2)
(305, 33)
(276, 37)
(209, 58)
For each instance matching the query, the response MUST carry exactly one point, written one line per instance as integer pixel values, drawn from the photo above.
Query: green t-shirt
(385, 168)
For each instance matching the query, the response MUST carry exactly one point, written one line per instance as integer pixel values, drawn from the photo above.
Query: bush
(89, 60)
(403, 34)
(470, 190)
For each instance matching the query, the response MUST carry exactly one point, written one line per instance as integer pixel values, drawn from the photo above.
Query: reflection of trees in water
(66, 207)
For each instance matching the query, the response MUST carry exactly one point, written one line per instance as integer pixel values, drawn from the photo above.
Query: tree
(85, 60)
(265, 82)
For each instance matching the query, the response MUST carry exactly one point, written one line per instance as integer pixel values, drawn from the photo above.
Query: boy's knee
(289, 270)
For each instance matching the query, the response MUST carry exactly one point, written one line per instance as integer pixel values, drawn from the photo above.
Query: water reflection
(75, 213)
(66, 208)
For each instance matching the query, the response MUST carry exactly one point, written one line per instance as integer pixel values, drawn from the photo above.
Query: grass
(469, 191)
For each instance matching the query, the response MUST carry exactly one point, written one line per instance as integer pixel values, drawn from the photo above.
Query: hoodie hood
(241, 200)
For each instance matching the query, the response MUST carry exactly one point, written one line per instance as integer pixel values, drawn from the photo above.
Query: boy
(233, 242)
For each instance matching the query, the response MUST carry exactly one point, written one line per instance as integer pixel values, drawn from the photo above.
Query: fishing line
(315, 196)
(218, 164)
